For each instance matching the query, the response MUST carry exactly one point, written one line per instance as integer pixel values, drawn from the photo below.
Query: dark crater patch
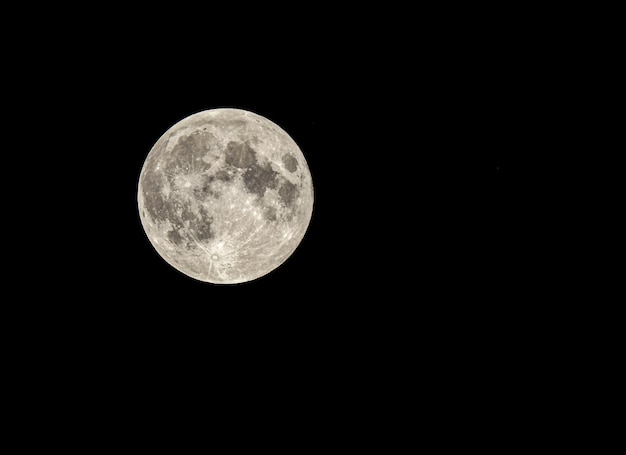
(151, 181)
(159, 208)
(258, 178)
(290, 162)
(240, 154)
(206, 188)
(175, 237)
(185, 153)
(205, 191)
(269, 213)
(186, 212)
(202, 227)
(182, 153)
(153, 198)
(288, 193)
(223, 176)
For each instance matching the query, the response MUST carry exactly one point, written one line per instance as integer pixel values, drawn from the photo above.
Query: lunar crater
(288, 193)
(291, 164)
(239, 154)
(258, 178)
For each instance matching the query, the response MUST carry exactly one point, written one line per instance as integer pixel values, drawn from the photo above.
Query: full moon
(225, 196)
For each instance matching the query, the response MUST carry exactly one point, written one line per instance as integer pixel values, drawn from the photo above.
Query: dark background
(398, 192)
(414, 134)
(419, 265)
(409, 137)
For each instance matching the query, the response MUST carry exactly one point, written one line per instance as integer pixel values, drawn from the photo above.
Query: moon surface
(225, 196)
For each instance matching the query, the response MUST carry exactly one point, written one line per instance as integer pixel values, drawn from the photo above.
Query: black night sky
(422, 273)
(414, 158)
